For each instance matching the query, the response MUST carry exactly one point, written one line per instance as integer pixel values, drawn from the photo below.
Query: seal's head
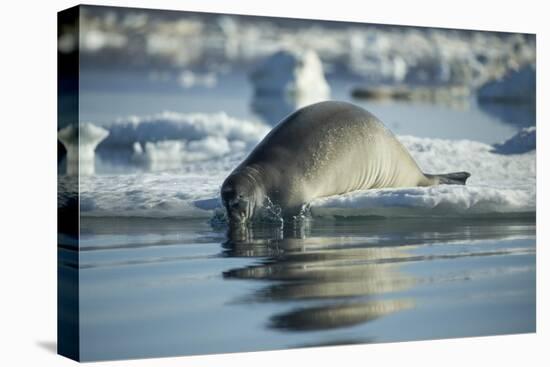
(241, 197)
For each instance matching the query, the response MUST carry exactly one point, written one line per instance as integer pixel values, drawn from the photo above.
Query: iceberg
(516, 86)
(80, 141)
(291, 72)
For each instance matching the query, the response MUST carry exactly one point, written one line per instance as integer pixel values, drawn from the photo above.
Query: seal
(327, 148)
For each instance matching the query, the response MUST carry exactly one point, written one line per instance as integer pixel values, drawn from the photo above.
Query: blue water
(170, 287)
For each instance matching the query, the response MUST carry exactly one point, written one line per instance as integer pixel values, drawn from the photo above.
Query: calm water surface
(171, 287)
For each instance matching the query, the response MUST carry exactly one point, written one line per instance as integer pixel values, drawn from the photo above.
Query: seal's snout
(237, 205)
(237, 209)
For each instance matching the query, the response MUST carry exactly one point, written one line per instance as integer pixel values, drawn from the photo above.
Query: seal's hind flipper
(455, 178)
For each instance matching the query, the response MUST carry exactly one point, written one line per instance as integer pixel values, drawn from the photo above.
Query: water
(165, 287)
(106, 96)
(171, 287)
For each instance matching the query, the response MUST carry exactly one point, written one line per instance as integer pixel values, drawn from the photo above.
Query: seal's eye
(228, 193)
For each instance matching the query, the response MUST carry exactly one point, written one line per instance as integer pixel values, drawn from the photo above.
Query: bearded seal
(324, 149)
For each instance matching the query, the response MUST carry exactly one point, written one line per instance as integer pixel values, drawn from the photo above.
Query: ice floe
(291, 72)
(179, 126)
(501, 184)
(514, 86)
(189, 79)
(524, 141)
(80, 141)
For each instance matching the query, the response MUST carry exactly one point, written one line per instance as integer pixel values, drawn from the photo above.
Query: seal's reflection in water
(339, 279)
(337, 274)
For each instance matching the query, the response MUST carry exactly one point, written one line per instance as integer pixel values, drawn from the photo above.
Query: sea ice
(80, 141)
(501, 184)
(172, 154)
(189, 79)
(515, 86)
(388, 54)
(523, 141)
(291, 72)
(180, 126)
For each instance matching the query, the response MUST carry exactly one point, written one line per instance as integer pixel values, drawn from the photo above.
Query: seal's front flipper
(455, 178)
